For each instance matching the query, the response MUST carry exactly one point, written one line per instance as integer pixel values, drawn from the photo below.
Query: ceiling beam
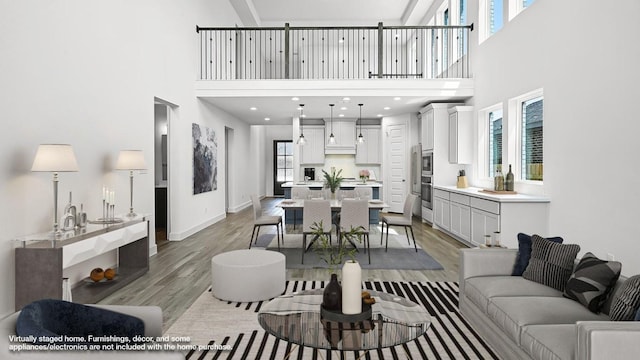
(246, 12)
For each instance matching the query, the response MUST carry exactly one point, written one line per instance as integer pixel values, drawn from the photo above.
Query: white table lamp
(131, 160)
(55, 158)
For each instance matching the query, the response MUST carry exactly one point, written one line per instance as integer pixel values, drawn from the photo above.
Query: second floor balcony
(334, 53)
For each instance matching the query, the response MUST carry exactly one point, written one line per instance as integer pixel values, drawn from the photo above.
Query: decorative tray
(498, 192)
(101, 282)
(347, 318)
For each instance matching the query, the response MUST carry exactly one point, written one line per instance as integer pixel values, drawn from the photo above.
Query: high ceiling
(331, 12)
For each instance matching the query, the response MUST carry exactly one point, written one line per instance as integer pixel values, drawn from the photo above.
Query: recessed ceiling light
(294, 99)
(341, 115)
(343, 108)
(380, 115)
(253, 108)
(387, 108)
(396, 98)
(346, 99)
(267, 119)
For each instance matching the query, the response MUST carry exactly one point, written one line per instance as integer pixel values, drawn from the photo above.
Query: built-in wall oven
(427, 163)
(426, 192)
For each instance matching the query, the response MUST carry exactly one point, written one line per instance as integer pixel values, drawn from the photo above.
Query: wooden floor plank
(181, 270)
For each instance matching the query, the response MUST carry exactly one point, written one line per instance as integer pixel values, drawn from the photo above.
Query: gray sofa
(150, 315)
(522, 319)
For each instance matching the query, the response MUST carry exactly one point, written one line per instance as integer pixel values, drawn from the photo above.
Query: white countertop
(344, 184)
(473, 191)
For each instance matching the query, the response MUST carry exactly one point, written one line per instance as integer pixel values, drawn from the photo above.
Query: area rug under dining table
(400, 255)
(234, 327)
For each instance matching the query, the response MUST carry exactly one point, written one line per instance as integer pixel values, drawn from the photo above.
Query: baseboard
(173, 236)
(153, 250)
(239, 208)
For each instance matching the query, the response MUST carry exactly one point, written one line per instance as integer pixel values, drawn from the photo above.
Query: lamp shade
(55, 158)
(131, 160)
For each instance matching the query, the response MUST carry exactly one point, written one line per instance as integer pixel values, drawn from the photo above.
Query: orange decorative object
(109, 274)
(97, 274)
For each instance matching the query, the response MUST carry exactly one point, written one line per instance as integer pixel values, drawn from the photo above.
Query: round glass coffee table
(297, 318)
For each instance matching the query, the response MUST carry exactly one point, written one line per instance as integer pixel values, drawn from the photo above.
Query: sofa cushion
(626, 301)
(482, 288)
(524, 252)
(512, 313)
(551, 263)
(549, 342)
(592, 281)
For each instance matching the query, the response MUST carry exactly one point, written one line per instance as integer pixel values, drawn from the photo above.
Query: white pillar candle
(104, 192)
(351, 288)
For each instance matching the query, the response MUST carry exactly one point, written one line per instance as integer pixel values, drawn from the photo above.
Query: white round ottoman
(248, 275)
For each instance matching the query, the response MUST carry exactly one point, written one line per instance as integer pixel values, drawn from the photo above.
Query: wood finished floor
(180, 272)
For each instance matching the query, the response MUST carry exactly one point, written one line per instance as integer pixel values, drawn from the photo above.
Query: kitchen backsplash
(345, 162)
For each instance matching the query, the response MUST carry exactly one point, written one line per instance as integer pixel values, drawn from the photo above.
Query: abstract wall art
(205, 159)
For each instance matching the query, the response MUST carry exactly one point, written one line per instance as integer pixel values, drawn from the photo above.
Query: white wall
(587, 65)
(86, 73)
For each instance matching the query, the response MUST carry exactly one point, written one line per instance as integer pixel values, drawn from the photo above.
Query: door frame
(387, 164)
(275, 165)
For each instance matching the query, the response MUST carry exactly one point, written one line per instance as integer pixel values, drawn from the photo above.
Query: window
(516, 7)
(462, 35)
(495, 141)
(495, 16)
(531, 118)
(491, 17)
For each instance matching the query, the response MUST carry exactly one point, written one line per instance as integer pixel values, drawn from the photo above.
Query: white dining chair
(259, 220)
(403, 220)
(315, 213)
(355, 215)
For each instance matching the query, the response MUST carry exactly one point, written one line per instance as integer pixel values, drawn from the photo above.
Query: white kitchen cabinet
(468, 215)
(427, 129)
(460, 216)
(313, 151)
(483, 223)
(369, 151)
(441, 209)
(344, 131)
(461, 135)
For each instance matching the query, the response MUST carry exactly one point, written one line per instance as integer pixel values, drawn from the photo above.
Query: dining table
(336, 206)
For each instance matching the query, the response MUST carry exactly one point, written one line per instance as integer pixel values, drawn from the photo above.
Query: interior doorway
(164, 114)
(396, 158)
(282, 165)
(228, 155)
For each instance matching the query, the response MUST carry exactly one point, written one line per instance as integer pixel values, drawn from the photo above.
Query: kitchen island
(295, 216)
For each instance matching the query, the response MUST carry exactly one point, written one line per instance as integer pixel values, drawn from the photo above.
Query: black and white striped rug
(234, 330)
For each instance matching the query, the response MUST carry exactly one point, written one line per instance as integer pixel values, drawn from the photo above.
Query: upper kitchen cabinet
(461, 134)
(344, 131)
(313, 151)
(426, 138)
(368, 152)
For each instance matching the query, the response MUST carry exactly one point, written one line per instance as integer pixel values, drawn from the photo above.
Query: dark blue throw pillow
(524, 252)
(53, 318)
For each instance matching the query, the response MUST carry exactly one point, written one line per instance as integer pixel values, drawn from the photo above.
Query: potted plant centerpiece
(332, 181)
(364, 175)
(334, 256)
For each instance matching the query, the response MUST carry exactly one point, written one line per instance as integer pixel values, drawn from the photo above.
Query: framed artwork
(205, 159)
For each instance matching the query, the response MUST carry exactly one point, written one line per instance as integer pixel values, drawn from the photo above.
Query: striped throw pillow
(626, 301)
(551, 264)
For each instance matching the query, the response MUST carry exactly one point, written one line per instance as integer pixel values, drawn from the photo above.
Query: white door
(397, 169)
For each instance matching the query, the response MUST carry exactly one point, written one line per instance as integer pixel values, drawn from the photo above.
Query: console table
(41, 259)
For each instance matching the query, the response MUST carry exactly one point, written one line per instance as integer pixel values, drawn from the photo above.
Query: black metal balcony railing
(356, 52)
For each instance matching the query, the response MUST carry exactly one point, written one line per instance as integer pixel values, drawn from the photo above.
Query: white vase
(351, 288)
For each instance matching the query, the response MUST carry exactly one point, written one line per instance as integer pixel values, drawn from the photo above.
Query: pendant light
(332, 139)
(360, 137)
(301, 139)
